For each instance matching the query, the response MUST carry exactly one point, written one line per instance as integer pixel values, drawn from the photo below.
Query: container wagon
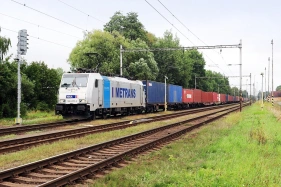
(174, 96)
(215, 98)
(222, 98)
(207, 98)
(191, 97)
(155, 95)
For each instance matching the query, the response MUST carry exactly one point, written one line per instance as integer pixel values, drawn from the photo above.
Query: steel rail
(26, 128)
(27, 142)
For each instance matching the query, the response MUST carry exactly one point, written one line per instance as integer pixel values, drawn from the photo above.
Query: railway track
(26, 142)
(76, 165)
(27, 128)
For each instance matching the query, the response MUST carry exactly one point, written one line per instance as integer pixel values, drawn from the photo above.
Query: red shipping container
(230, 98)
(204, 96)
(187, 96)
(222, 98)
(215, 97)
(191, 95)
(207, 97)
(197, 95)
(210, 97)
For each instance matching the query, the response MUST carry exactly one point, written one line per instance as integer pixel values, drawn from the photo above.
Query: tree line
(100, 50)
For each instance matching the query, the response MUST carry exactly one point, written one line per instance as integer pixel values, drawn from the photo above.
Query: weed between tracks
(239, 150)
(33, 117)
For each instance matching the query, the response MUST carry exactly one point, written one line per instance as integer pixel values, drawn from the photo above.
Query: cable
(178, 30)
(169, 21)
(81, 11)
(191, 31)
(40, 26)
(49, 15)
(40, 38)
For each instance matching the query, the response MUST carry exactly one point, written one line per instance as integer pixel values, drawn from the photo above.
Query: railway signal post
(165, 93)
(22, 48)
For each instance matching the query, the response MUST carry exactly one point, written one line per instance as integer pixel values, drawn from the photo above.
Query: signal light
(22, 42)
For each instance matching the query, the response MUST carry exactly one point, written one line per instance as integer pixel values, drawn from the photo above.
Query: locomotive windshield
(74, 80)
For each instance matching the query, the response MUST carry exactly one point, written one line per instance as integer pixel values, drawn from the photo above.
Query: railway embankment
(242, 149)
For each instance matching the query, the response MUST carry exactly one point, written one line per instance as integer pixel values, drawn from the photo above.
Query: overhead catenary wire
(37, 38)
(81, 11)
(169, 22)
(180, 32)
(39, 26)
(191, 31)
(49, 15)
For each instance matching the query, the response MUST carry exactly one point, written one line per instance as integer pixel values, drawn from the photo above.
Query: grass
(243, 149)
(33, 117)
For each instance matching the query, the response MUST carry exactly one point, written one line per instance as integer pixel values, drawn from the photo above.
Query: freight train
(87, 95)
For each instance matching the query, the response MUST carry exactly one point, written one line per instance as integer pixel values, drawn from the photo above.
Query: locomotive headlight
(62, 100)
(82, 101)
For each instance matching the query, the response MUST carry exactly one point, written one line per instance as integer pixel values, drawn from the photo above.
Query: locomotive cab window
(96, 83)
(74, 80)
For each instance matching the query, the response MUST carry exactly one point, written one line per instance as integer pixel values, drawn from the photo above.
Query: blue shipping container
(154, 91)
(174, 94)
(226, 97)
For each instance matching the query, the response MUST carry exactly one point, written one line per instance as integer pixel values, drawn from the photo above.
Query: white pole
(165, 93)
(250, 89)
(165, 96)
(120, 60)
(240, 75)
(265, 82)
(262, 91)
(18, 120)
(272, 72)
(268, 77)
(195, 81)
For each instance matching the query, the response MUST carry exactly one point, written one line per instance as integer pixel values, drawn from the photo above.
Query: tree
(5, 43)
(197, 64)
(46, 83)
(141, 65)
(8, 96)
(98, 49)
(235, 91)
(129, 26)
(104, 52)
(278, 88)
(176, 65)
(216, 82)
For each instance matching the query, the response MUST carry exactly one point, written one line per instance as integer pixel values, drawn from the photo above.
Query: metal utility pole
(272, 73)
(165, 93)
(240, 49)
(265, 82)
(247, 88)
(254, 86)
(195, 81)
(121, 61)
(262, 91)
(268, 78)
(22, 48)
(250, 89)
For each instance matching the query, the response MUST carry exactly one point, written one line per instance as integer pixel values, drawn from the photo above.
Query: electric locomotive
(87, 95)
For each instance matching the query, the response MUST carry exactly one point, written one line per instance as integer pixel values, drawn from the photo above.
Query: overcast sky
(216, 22)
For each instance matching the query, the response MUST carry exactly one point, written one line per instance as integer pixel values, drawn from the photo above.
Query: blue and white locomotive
(91, 94)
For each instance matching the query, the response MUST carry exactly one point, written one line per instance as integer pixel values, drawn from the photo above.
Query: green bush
(42, 106)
